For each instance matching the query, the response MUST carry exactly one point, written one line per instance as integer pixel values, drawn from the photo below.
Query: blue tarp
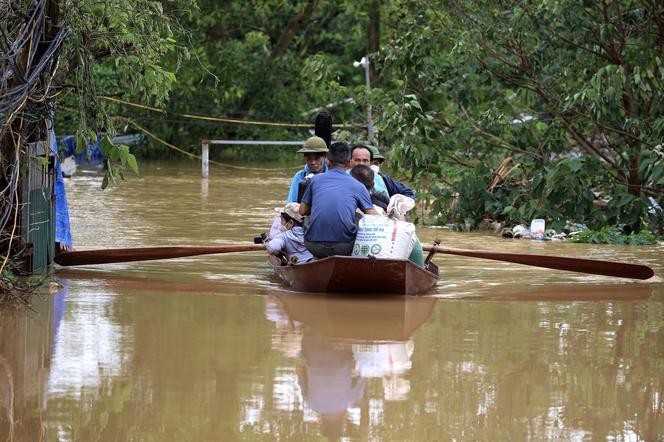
(69, 149)
(62, 230)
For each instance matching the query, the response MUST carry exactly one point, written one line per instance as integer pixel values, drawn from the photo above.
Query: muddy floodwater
(212, 348)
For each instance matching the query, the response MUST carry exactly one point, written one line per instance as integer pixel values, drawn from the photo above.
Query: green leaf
(133, 164)
(575, 165)
(105, 146)
(621, 200)
(81, 144)
(41, 160)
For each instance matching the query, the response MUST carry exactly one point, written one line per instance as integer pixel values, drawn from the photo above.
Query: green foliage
(572, 96)
(115, 48)
(612, 235)
(117, 156)
(261, 61)
(556, 192)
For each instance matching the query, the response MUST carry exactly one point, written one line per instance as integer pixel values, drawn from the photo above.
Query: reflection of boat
(389, 319)
(158, 284)
(352, 274)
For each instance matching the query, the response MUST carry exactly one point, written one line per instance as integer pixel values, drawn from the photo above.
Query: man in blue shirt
(314, 151)
(331, 201)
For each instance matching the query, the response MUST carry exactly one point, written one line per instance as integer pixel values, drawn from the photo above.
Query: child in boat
(365, 175)
(290, 241)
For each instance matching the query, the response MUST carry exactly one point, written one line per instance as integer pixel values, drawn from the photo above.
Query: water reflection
(338, 345)
(24, 363)
(86, 348)
(139, 363)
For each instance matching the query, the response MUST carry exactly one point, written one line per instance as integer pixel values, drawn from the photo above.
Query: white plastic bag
(400, 205)
(384, 237)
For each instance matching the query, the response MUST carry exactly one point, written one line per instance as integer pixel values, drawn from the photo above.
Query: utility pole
(373, 36)
(366, 65)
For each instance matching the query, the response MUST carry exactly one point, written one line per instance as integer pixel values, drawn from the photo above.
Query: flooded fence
(205, 149)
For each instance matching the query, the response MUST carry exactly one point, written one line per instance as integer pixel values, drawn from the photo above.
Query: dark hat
(314, 145)
(375, 153)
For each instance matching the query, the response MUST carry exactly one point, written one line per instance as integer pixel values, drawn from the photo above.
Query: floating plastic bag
(537, 228)
(384, 237)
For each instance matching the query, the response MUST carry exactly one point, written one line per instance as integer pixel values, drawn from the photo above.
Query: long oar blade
(592, 266)
(107, 256)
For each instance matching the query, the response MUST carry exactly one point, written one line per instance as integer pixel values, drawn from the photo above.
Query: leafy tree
(262, 61)
(52, 48)
(572, 92)
(117, 48)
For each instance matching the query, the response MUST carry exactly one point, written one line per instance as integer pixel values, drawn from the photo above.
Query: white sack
(383, 237)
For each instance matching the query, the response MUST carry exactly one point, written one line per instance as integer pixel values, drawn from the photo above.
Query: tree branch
(497, 139)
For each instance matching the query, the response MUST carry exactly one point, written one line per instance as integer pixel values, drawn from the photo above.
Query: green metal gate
(38, 205)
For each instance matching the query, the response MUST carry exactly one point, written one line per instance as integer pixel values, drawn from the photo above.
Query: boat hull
(358, 275)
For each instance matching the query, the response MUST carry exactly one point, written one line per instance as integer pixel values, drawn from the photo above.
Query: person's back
(334, 198)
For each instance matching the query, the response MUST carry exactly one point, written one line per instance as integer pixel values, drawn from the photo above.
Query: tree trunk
(374, 37)
(634, 178)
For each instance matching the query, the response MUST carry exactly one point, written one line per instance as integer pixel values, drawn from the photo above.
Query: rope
(209, 118)
(198, 157)
(189, 154)
(164, 142)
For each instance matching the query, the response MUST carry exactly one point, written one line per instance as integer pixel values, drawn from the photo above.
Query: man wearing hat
(377, 157)
(291, 239)
(314, 151)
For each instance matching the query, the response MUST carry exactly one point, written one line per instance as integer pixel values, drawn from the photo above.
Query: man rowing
(331, 200)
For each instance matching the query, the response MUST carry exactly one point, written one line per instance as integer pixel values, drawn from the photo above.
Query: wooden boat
(357, 319)
(358, 275)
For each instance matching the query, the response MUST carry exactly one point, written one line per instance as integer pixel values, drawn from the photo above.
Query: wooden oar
(107, 256)
(593, 266)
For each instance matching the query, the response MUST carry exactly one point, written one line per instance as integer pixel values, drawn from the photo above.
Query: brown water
(212, 348)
